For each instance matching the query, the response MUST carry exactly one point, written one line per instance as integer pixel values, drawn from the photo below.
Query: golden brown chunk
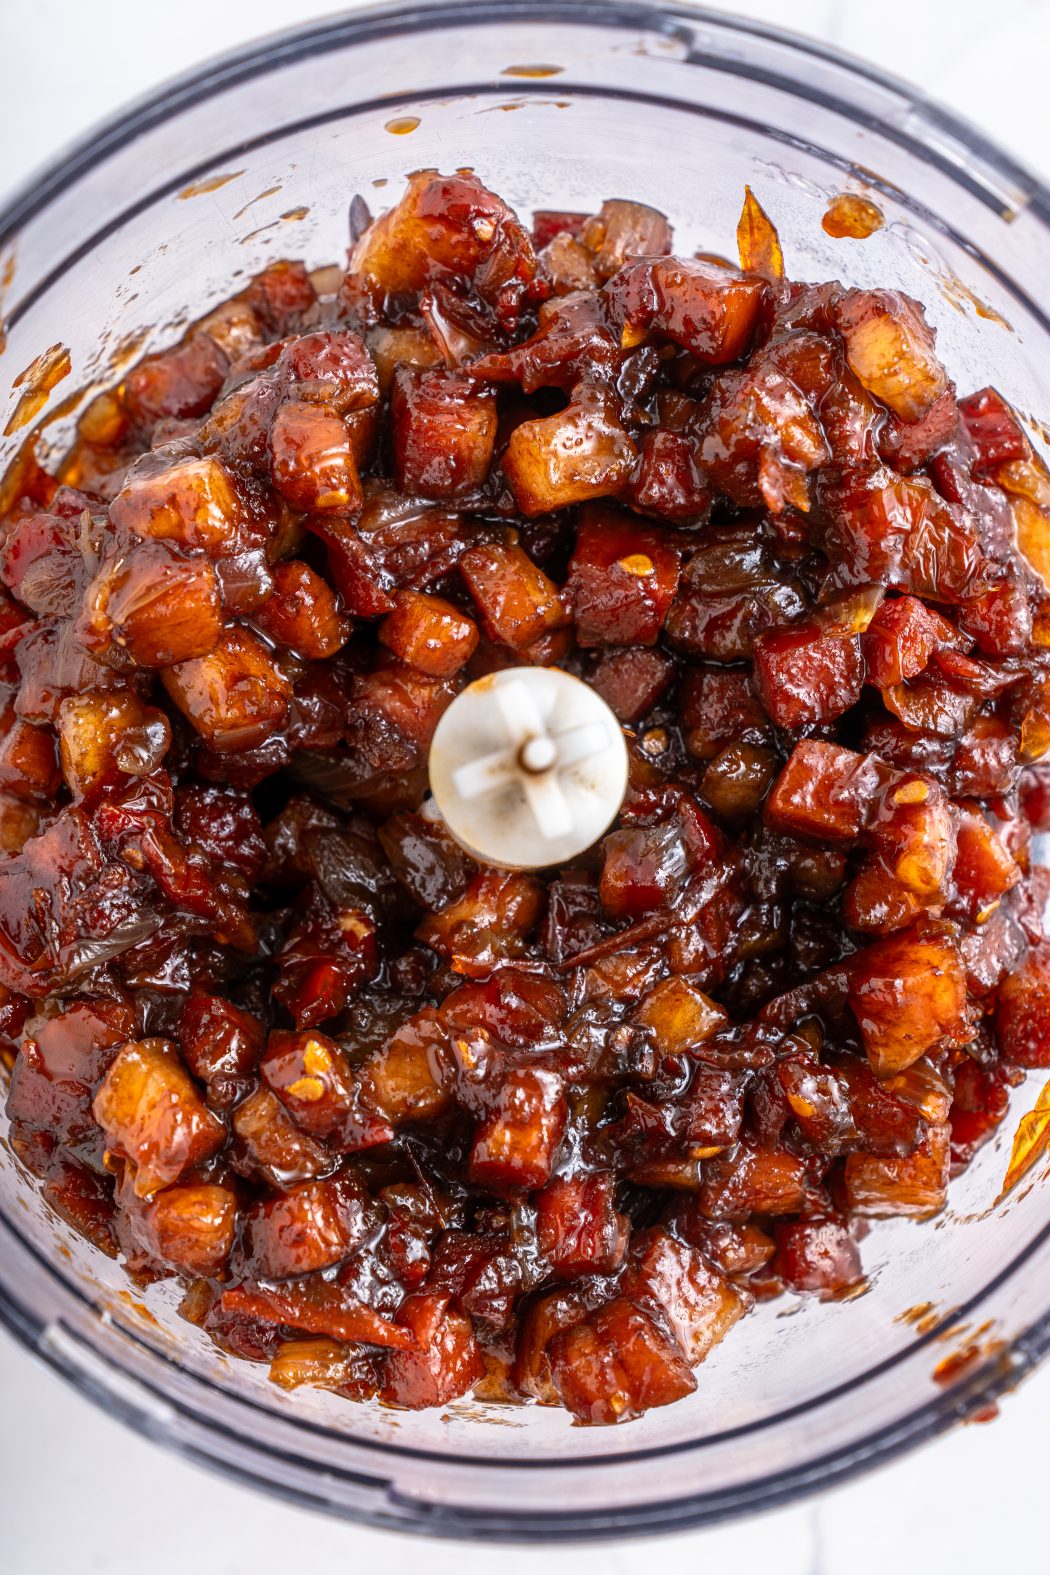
(890, 349)
(104, 735)
(580, 454)
(154, 603)
(152, 1114)
(700, 1304)
(679, 1016)
(915, 1186)
(429, 633)
(195, 502)
(313, 464)
(908, 994)
(403, 1080)
(236, 696)
(516, 601)
(192, 1228)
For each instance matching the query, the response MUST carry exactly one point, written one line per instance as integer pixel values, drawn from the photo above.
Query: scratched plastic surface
(158, 218)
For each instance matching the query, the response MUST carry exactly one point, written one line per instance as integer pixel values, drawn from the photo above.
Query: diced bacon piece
(699, 1303)
(403, 1080)
(154, 603)
(311, 1226)
(104, 737)
(549, 222)
(303, 612)
(752, 1180)
(446, 1361)
(1022, 1017)
(444, 432)
(807, 674)
(330, 367)
(825, 792)
(28, 767)
(179, 382)
(235, 697)
(616, 1364)
(221, 1044)
(313, 466)
(516, 601)
(710, 311)
(400, 345)
(449, 225)
(191, 1228)
(669, 481)
(279, 1149)
(760, 438)
(313, 1079)
(631, 682)
(993, 429)
(915, 1186)
(622, 580)
(679, 1016)
(719, 707)
(984, 868)
(908, 994)
(514, 1007)
(427, 632)
(620, 231)
(280, 294)
(817, 1255)
(890, 349)
(195, 503)
(577, 1226)
(152, 1114)
(580, 454)
(901, 638)
(516, 1143)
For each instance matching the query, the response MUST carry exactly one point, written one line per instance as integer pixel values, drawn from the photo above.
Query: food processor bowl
(164, 212)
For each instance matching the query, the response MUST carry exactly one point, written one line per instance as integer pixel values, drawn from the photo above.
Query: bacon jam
(409, 1127)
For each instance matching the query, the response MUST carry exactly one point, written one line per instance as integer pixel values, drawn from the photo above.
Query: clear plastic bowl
(679, 107)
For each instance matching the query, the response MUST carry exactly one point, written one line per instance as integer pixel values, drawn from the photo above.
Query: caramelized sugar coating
(406, 1127)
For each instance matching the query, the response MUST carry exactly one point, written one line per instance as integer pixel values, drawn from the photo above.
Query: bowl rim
(990, 1379)
(370, 22)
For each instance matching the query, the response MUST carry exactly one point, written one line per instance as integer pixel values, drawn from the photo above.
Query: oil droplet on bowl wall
(849, 216)
(271, 191)
(202, 188)
(402, 125)
(917, 1314)
(139, 1309)
(534, 72)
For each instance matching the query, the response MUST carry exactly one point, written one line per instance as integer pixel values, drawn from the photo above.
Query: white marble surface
(78, 1494)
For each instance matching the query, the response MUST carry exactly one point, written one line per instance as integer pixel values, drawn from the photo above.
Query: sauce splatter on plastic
(916, 1314)
(271, 191)
(964, 1360)
(295, 213)
(851, 217)
(138, 1308)
(37, 381)
(535, 72)
(202, 188)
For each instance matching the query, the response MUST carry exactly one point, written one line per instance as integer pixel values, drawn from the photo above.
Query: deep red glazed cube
(622, 579)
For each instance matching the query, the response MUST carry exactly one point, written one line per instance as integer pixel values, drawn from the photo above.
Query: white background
(78, 1494)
